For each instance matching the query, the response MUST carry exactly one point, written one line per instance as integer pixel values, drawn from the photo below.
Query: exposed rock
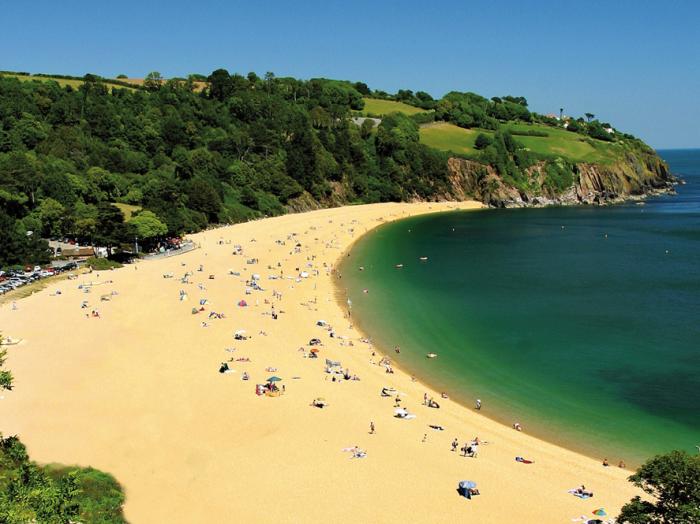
(636, 177)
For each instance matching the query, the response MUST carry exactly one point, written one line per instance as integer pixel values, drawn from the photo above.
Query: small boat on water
(431, 355)
(423, 259)
(398, 266)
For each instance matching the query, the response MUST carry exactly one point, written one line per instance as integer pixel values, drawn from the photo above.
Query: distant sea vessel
(431, 355)
(423, 259)
(398, 266)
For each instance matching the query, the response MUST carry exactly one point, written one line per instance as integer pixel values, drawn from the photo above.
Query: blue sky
(635, 64)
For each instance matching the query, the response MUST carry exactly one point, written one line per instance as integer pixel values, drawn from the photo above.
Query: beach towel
(576, 493)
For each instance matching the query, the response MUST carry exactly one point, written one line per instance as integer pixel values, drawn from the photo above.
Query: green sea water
(582, 324)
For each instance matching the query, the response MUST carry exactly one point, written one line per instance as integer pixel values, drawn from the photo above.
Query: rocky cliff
(637, 175)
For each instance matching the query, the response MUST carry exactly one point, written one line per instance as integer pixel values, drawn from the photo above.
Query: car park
(13, 278)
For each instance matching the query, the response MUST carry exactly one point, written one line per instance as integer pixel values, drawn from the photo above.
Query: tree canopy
(242, 147)
(221, 149)
(673, 482)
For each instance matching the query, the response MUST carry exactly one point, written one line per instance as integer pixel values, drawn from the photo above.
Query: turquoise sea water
(582, 324)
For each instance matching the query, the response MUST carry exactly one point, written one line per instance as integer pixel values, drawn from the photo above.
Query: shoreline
(139, 387)
(342, 295)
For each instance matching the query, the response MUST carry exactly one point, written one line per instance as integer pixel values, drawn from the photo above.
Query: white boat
(398, 266)
(423, 259)
(431, 355)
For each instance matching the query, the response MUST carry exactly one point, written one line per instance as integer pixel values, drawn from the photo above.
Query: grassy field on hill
(127, 209)
(449, 137)
(63, 82)
(573, 146)
(375, 106)
(559, 142)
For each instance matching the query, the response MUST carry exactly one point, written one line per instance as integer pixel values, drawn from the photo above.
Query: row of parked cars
(14, 278)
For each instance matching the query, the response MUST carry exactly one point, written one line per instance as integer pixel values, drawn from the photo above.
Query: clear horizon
(633, 64)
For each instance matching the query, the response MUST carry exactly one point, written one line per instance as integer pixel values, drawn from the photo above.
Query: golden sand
(137, 393)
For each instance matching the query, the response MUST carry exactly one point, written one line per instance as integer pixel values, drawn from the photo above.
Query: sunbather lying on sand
(581, 492)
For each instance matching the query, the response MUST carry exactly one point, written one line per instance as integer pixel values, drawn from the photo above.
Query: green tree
(362, 88)
(573, 126)
(589, 116)
(5, 375)
(52, 214)
(482, 141)
(366, 128)
(220, 85)
(153, 81)
(110, 225)
(673, 482)
(202, 197)
(147, 225)
(18, 245)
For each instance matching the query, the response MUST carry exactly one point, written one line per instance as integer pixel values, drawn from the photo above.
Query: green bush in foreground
(52, 494)
(33, 493)
(102, 264)
(673, 480)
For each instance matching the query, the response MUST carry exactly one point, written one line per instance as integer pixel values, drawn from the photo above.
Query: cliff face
(639, 174)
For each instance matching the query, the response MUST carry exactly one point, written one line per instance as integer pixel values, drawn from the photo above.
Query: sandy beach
(137, 392)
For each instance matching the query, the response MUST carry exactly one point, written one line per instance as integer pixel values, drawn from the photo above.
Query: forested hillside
(186, 156)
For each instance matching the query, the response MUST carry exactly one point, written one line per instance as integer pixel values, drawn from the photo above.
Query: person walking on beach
(455, 443)
(371, 428)
(478, 404)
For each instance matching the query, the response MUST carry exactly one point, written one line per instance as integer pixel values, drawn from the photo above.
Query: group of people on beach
(469, 449)
(464, 448)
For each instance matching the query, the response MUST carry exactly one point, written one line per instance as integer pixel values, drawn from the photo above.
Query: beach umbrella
(314, 350)
(274, 379)
(240, 332)
(467, 484)
(600, 512)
